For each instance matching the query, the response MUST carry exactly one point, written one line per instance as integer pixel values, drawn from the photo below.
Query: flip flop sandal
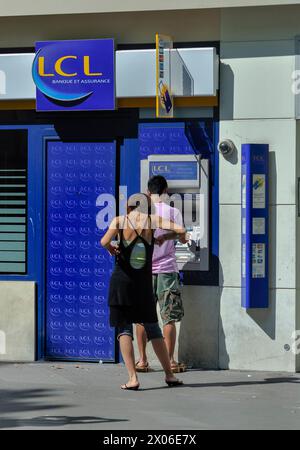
(178, 368)
(130, 388)
(142, 368)
(174, 383)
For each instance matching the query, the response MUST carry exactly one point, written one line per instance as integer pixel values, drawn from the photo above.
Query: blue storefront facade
(64, 258)
(236, 85)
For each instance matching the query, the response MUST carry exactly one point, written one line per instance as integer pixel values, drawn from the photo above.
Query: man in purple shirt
(165, 276)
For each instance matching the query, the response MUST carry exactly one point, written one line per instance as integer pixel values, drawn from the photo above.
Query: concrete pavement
(87, 396)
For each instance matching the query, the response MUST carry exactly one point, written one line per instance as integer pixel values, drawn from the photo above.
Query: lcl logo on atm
(76, 75)
(160, 168)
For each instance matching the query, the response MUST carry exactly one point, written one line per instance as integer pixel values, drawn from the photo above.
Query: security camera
(226, 147)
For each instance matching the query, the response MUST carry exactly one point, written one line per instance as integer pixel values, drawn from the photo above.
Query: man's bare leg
(170, 340)
(141, 338)
(160, 349)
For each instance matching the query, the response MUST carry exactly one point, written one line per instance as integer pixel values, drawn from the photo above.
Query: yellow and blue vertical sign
(164, 99)
(255, 220)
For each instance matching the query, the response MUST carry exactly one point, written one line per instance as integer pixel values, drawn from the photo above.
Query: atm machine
(188, 180)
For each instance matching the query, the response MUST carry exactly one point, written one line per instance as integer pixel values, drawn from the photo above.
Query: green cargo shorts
(167, 293)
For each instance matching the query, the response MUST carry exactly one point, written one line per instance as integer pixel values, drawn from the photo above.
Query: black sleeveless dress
(131, 298)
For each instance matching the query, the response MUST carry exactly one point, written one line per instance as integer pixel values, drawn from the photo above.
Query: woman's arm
(111, 233)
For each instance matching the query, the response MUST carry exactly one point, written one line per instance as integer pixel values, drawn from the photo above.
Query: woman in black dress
(131, 298)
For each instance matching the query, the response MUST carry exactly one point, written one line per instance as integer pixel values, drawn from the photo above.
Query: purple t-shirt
(164, 259)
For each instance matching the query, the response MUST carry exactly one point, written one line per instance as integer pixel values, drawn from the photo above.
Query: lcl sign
(74, 75)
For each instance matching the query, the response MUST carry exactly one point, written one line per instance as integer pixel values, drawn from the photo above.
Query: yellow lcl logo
(58, 67)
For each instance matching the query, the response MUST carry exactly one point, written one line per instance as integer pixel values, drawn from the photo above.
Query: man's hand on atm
(184, 239)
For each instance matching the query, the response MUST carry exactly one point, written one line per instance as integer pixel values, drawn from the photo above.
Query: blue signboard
(78, 268)
(74, 75)
(175, 170)
(255, 219)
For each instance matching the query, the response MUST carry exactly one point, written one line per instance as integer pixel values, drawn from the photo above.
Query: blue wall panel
(255, 225)
(78, 269)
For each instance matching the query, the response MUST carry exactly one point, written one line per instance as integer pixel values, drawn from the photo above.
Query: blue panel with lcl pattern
(78, 269)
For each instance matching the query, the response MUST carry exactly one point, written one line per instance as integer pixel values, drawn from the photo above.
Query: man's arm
(171, 236)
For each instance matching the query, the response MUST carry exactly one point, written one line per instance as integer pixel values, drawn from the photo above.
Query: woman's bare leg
(128, 357)
(161, 351)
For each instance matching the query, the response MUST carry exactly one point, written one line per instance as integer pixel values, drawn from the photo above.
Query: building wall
(256, 105)
(269, 23)
(297, 186)
(125, 28)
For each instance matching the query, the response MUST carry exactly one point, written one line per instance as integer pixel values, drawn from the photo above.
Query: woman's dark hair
(157, 185)
(141, 203)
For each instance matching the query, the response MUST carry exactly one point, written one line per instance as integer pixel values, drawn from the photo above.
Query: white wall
(32, 7)
(257, 105)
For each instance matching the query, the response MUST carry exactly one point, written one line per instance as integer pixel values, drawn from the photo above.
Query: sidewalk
(87, 396)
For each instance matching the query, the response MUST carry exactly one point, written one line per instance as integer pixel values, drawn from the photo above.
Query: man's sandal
(178, 368)
(174, 383)
(124, 387)
(142, 367)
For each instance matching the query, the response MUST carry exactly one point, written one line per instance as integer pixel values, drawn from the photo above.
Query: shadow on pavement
(33, 400)
(54, 421)
(24, 400)
(21, 400)
(232, 384)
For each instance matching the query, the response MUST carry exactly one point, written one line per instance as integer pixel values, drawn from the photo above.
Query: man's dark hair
(157, 185)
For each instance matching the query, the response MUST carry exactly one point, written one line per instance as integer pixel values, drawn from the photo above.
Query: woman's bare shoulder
(154, 220)
(115, 223)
